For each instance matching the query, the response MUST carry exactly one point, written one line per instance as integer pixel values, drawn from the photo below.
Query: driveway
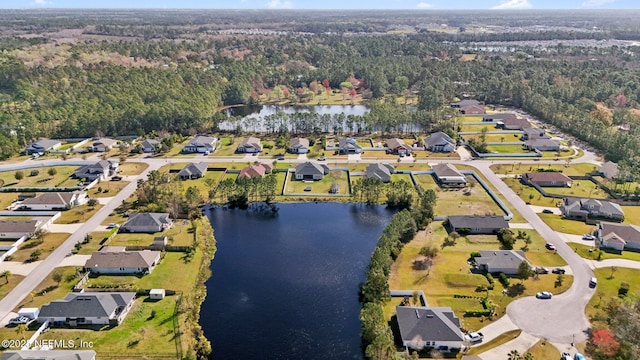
(74, 260)
(539, 209)
(576, 239)
(522, 343)
(64, 228)
(18, 267)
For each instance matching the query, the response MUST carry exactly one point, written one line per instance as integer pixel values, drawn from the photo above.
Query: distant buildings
(41, 146)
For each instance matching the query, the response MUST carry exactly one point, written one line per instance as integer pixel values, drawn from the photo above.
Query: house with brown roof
(547, 179)
(541, 144)
(257, 169)
(54, 201)
(397, 146)
(122, 262)
(298, 145)
(15, 229)
(250, 144)
(609, 170)
(513, 123)
(448, 175)
(618, 236)
(472, 110)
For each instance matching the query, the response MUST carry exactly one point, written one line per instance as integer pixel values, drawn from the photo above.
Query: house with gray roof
(311, 170)
(250, 144)
(348, 145)
(430, 327)
(86, 308)
(547, 179)
(504, 261)
(439, 142)
(147, 223)
(542, 144)
(122, 262)
(398, 147)
(534, 133)
(298, 145)
(498, 116)
(42, 146)
(584, 209)
(447, 175)
(100, 170)
(200, 144)
(472, 110)
(54, 201)
(609, 170)
(193, 171)
(149, 145)
(102, 145)
(513, 123)
(471, 224)
(618, 236)
(379, 171)
(49, 355)
(463, 103)
(15, 229)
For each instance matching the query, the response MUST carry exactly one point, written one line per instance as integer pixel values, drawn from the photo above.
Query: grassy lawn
(380, 155)
(544, 350)
(177, 149)
(450, 273)
(180, 234)
(467, 119)
(48, 290)
(558, 223)
(132, 168)
(228, 146)
(507, 149)
(579, 188)
(631, 214)
(583, 251)
(321, 186)
(201, 184)
(496, 138)
(94, 243)
(607, 289)
(7, 199)
(77, 214)
(43, 179)
(501, 339)
(107, 189)
(529, 194)
(470, 200)
(7, 284)
(49, 243)
(518, 168)
(478, 128)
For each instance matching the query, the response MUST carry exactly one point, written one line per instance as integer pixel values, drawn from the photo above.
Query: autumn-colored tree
(620, 100)
(604, 342)
(352, 93)
(285, 92)
(325, 83)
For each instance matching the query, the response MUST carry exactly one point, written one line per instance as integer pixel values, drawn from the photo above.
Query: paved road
(561, 319)
(31, 281)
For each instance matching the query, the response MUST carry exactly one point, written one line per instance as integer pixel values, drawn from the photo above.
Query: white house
(299, 145)
(54, 201)
(430, 327)
(15, 229)
(122, 262)
(200, 144)
(86, 308)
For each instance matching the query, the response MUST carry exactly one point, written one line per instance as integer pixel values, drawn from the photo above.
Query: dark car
(550, 246)
(544, 295)
(558, 271)
(280, 158)
(541, 270)
(547, 211)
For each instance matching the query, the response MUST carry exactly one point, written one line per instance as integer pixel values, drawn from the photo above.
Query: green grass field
(43, 179)
(518, 168)
(497, 138)
(107, 189)
(607, 290)
(78, 214)
(544, 350)
(557, 223)
(7, 284)
(579, 188)
(180, 234)
(321, 186)
(50, 242)
(507, 149)
(132, 168)
(595, 253)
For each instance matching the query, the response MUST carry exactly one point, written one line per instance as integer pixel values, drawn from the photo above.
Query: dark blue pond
(285, 285)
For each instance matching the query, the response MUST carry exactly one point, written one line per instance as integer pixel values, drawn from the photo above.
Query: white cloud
(596, 3)
(423, 5)
(513, 4)
(277, 4)
(41, 2)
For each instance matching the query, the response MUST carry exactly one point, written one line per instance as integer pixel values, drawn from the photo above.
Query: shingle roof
(379, 171)
(535, 132)
(445, 169)
(516, 122)
(19, 226)
(438, 138)
(47, 143)
(200, 140)
(499, 116)
(258, 169)
(587, 205)
(547, 176)
(395, 142)
(252, 141)
(478, 222)
(542, 143)
(298, 141)
(87, 304)
(106, 141)
(610, 169)
(348, 143)
(127, 259)
(466, 102)
(501, 258)
(194, 169)
(50, 198)
(428, 324)
(149, 143)
(310, 168)
(147, 219)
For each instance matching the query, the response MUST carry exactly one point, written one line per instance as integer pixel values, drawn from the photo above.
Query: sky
(328, 4)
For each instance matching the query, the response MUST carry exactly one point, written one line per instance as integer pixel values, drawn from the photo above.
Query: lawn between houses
(46, 246)
(567, 226)
(451, 275)
(323, 186)
(609, 283)
(61, 178)
(593, 253)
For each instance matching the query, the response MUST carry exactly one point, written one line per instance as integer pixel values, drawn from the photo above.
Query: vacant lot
(496, 138)
(78, 214)
(180, 234)
(507, 149)
(132, 168)
(529, 194)
(609, 281)
(450, 273)
(44, 246)
(631, 214)
(107, 189)
(323, 186)
(579, 188)
(48, 290)
(61, 177)
(228, 146)
(519, 168)
(558, 223)
(8, 283)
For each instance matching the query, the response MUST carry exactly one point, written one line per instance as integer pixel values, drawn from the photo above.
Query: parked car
(547, 211)
(550, 246)
(544, 295)
(280, 158)
(541, 270)
(566, 356)
(588, 237)
(112, 225)
(558, 271)
(19, 320)
(593, 282)
(474, 337)
(116, 178)
(321, 158)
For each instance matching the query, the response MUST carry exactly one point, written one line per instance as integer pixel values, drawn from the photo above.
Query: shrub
(491, 281)
(504, 280)
(623, 290)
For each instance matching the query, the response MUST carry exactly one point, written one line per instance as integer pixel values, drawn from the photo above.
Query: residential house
(102, 145)
(429, 327)
(379, 171)
(100, 170)
(299, 145)
(448, 175)
(532, 133)
(439, 142)
(398, 147)
(86, 308)
(193, 171)
(500, 261)
(147, 223)
(49, 354)
(41, 146)
(584, 209)
(472, 110)
(547, 179)
(257, 169)
(54, 201)
(311, 171)
(149, 145)
(618, 236)
(472, 224)
(609, 170)
(250, 145)
(122, 262)
(348, 146)
(498, 117)
(200, 144)
(513, 123)
(542, 144)
(15, 229)
(463, 103)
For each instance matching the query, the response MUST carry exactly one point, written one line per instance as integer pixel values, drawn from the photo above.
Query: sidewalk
(522, 343)
(496, 329)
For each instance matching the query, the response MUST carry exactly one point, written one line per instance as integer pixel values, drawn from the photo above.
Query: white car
(544, 295)
(474, 337)
(19, 320)
(112, 225)
(588, 237)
